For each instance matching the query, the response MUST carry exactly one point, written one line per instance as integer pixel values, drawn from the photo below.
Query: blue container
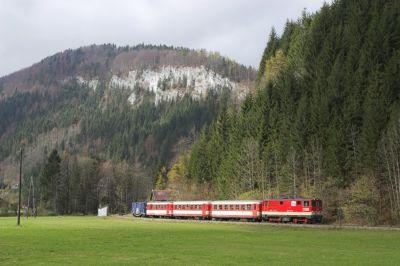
(139, 209)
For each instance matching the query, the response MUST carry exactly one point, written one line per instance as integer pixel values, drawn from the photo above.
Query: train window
(220, 207)
(214, 207)
(231, 207)
(281, 202)
(225, 207)
(299, 203)
(313, 203)
(306, 203)
(191, 206)
(243, 207)
(237, 206)
(248, 207)
(254, 206)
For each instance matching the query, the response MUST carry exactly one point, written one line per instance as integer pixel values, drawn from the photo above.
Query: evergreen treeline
(324, 121)
(71, 184)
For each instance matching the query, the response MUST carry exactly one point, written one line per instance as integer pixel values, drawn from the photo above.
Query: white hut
(102, 212)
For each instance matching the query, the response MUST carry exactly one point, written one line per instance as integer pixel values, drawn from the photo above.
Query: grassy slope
(92, 240)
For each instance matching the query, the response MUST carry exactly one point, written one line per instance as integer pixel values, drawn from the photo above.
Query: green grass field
(94, 241)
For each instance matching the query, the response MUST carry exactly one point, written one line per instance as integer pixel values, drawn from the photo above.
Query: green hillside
(324, 121)
(98, 123)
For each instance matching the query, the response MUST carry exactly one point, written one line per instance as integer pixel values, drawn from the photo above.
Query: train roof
(159, 202)
(192, 202)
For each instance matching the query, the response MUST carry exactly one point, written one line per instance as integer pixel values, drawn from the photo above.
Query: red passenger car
(236, 209)
(159, 209)
(292, 210)
(199, 209)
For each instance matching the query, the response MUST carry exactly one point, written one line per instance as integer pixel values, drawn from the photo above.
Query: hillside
(324, 122)
(112, 116)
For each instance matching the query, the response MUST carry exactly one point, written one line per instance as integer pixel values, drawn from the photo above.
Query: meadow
(107, 241)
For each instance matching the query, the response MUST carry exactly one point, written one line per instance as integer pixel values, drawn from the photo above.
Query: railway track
(318, 226)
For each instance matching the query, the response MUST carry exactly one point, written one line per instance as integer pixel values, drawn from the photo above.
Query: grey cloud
(31, 30)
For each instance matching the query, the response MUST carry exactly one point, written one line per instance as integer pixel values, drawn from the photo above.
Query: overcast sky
(33, 29)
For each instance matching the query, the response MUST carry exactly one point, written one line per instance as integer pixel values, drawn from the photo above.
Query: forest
(86, 147)
(323, 122)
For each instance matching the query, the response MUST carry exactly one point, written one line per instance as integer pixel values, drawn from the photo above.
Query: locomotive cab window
(313, 203)
(299, 203)
(306, 203)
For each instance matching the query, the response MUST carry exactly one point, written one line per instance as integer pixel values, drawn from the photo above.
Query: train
(296, 210)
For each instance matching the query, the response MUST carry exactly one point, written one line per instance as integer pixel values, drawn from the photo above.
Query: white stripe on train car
(289, 213)
(156, 212)
(234, 213)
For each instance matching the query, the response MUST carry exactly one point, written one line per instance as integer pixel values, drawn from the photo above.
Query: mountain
(323, 123)
(110, 112)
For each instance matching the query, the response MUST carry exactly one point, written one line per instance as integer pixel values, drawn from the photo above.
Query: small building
(102, 212)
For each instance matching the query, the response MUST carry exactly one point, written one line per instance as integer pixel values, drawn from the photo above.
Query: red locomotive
(272, 210)
(292, 210)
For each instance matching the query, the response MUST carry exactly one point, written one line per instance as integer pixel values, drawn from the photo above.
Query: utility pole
(19, 187)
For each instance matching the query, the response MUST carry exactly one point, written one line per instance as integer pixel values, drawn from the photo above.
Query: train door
(170, 209)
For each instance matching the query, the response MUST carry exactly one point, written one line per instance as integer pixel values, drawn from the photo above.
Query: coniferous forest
(322, 120)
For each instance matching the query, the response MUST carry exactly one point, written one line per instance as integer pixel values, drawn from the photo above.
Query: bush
(362, 201)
